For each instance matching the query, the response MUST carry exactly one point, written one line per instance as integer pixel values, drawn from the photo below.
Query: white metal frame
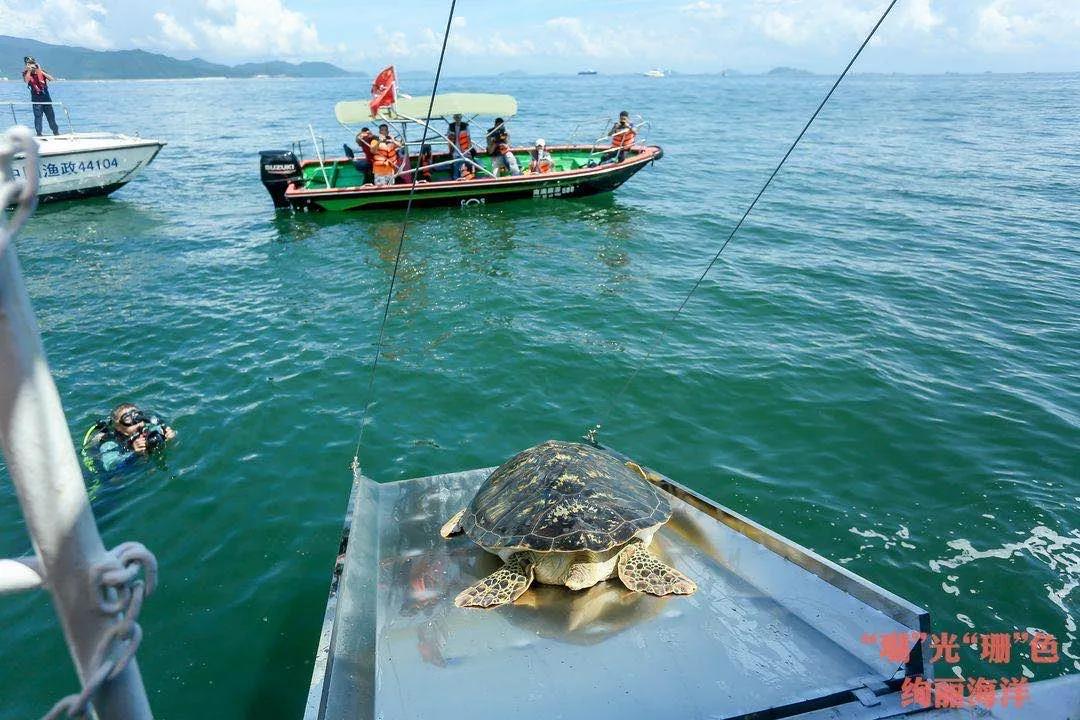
(62, 106)
(43, 466)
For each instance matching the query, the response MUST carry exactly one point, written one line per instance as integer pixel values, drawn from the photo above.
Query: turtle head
(579, 577)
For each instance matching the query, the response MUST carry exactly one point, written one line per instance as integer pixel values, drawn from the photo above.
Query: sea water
(883, 366)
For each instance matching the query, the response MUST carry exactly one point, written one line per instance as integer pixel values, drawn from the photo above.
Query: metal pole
(41, 460)
(322, 165)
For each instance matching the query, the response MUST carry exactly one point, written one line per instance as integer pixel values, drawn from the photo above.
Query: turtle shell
(562, 497)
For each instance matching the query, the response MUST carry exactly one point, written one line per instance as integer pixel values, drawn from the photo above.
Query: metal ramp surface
(773, 630)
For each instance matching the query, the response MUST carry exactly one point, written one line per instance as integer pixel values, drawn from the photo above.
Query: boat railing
(318, 147)
(601, 146)
(582, 127)
(454, 149)
(14, 118)
(95, 592)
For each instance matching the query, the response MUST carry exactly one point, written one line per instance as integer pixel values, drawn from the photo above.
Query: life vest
(542, 165)
(421, 161)
(623, 137)
(459, 136)
(385, 156)
(36, 81)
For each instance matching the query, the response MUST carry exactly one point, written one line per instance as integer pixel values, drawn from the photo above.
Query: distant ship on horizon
(656, 73)
(587, 72)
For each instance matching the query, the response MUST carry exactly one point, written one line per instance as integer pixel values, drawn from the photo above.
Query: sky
(557, 36)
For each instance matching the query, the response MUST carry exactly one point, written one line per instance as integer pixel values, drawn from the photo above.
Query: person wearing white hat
(541, 159)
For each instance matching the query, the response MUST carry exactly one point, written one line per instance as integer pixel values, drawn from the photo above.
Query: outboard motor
(278, 168)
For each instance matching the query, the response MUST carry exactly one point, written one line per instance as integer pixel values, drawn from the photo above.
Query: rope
(120, 593)
(22, 193)
(590, 434)
(401, 246)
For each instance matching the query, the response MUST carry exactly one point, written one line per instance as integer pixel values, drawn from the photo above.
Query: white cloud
(823, 22)
(174, 34)
(704, 10)
(782, 27)
(69, 22)
(258, 28)
(572, 36)
(919, 15)
(390, 43)
(1004, 26)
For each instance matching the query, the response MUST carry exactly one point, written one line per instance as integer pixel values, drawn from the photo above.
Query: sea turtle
(566, 514)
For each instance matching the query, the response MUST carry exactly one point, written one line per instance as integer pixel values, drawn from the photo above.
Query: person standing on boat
(38, 81)
(622, 134)
(363, 140)
(498, 145)
(460, 145)
(385, 156)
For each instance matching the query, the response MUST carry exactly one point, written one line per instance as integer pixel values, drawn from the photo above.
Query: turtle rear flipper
(452, 526)
(641, 571)
(501, 587)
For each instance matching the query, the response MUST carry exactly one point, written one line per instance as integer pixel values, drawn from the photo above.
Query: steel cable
(590, 434)
(401, 246)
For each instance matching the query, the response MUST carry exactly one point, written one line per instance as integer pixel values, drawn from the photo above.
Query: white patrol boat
(86, 164)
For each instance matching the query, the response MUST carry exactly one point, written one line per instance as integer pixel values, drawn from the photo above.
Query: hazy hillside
(76, 63)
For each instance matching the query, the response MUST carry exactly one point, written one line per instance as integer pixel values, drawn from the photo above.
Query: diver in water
(127, 434)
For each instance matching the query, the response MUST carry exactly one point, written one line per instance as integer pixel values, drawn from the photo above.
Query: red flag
(383, 90)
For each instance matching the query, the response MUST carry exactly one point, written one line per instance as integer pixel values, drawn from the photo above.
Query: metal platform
(774, 630)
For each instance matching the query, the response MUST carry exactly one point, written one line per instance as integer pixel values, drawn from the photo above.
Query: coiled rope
(591, 432)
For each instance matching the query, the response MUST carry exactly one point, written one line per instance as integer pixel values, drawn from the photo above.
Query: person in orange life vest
(622, 134)
(385, 156)
(467, 172)
(498, 146)
(38, 81)
(541, 158)
(460, 145)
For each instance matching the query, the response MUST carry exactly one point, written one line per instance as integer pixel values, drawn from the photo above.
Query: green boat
(335, 184)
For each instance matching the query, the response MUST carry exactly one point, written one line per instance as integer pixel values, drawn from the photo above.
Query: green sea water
(884, 366)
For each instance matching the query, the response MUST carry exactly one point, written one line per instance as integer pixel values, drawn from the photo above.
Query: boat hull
(88, 164)
(566, 184)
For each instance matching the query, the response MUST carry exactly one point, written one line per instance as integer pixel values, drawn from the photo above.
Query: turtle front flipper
(452, 526)
(503, 586)
(641, 571)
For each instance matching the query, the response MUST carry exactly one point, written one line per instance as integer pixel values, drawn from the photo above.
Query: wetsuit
(111, 450)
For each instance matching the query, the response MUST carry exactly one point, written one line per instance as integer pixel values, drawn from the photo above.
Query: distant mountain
(75, 63)
(788, 71)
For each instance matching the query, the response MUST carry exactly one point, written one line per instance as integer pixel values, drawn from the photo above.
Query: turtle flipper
(503, 586)
(452, 526)
(641, 571)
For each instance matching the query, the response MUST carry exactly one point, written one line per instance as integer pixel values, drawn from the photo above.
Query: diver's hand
(169, 433)
(139, 444)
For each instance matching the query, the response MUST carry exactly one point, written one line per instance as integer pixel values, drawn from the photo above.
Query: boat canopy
(353, 112)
